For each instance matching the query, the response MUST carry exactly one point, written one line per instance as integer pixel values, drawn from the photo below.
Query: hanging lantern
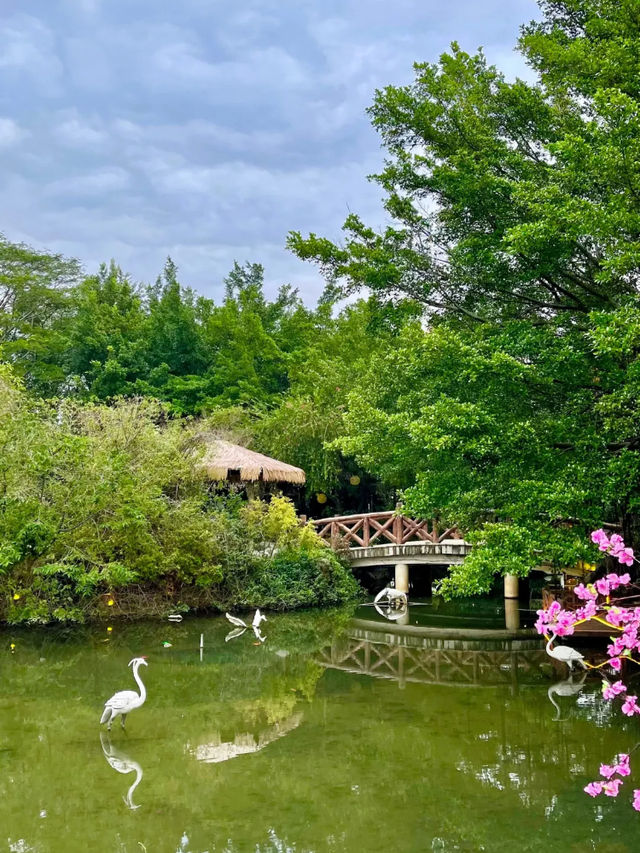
(354, 480)
(321, 498)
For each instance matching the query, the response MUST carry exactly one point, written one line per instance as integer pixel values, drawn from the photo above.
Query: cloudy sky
(207, 129)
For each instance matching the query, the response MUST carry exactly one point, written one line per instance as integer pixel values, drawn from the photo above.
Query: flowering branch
(626, 621)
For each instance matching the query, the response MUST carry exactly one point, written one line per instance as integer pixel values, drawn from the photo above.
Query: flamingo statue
(125, 701)
(122, 763)
(565, 654)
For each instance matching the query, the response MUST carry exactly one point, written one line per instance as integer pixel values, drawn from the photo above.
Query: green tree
(515, 213)
(104, 333)
(34, 296)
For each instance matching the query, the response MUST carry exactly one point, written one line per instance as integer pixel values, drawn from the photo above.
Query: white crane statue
(394, 597)
(258, 618)
(125, 701)
(565, 654)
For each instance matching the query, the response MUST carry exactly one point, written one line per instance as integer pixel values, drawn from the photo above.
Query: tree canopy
(515, 225)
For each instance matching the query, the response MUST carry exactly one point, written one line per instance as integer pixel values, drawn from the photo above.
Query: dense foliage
(96, 500)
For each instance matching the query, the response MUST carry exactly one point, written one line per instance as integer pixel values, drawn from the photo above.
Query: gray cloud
(208, 129)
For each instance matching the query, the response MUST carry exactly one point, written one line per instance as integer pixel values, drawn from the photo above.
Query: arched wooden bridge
(390, 538)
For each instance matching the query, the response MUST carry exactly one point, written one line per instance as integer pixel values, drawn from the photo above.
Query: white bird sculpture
(125, 701)
(123, 763)
(258, 618)
(394, 597)
(565, 654)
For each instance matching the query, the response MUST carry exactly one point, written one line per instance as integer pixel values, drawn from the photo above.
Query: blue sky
(207, 129)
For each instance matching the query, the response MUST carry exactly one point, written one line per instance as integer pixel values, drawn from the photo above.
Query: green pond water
(331, 735)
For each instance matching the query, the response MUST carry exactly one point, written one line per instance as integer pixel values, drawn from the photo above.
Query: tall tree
(516, 213)
(34, 295)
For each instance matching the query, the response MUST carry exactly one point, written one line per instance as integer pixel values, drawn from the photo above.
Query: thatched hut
(235, 464)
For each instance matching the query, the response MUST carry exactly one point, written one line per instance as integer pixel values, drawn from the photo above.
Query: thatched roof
(221, 457)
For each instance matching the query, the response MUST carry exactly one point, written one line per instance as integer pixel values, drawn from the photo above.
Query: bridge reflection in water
(452, 657)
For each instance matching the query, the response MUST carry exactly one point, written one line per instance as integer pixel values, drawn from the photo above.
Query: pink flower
(622, 768)
(625, 556)
(599, 536)
(588, 610)
(610, 691)
(554, 618)
(636, 799)
(630, 706)
(615, 663)
(616, 615)
(602, 586)
(616, 647)
(586, 592)
(616, 543)
(595, 788)
(615, 580)
(611, 788)
(553, 610)
(607, 770)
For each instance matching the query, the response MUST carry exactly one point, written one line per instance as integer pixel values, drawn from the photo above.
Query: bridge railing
(378, 528)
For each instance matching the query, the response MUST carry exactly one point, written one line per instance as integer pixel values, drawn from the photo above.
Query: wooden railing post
(397, 530)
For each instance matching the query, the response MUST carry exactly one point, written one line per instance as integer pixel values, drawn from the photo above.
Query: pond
(333, 734)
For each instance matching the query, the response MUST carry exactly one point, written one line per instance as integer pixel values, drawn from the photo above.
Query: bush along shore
(105, 511)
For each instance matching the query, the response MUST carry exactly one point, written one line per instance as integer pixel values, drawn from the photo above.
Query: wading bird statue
(125, 701)
(394, 597)
(123, 763)
(565, 654)
(258, 618)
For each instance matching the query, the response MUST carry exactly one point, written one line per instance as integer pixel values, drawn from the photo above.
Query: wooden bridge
(465, 658)
(390, 538)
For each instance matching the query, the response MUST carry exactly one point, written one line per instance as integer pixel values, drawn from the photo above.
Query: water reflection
(435, 656)
(217, 750)
(567, 687)
(239, 631)
(122, 763)
(393, 614)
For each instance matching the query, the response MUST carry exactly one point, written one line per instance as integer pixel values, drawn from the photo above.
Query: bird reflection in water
(121, 762)
(567, 687)
(241, 626)
(394, 614)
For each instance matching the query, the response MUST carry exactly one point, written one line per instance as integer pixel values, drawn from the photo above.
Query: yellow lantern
(321, 498)
(354, 480)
